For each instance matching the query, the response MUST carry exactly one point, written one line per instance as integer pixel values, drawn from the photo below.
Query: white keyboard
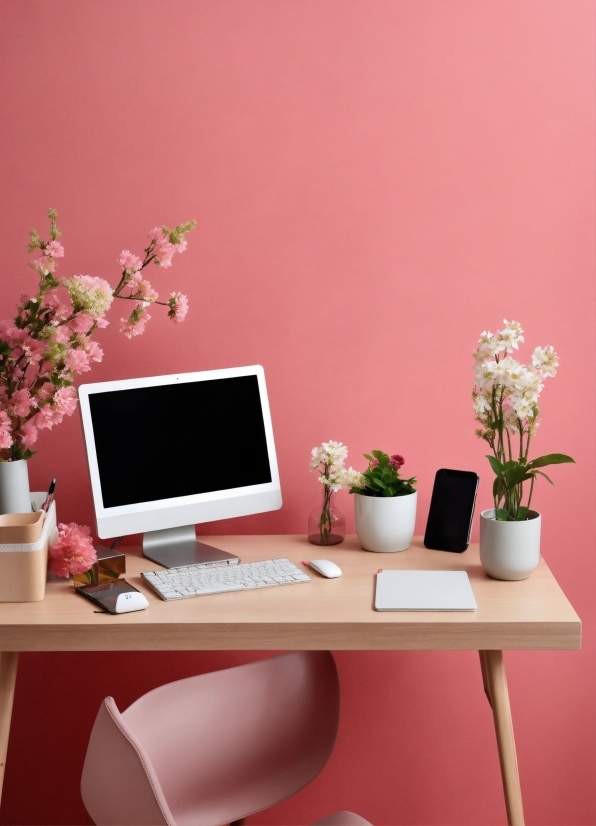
(201, 580)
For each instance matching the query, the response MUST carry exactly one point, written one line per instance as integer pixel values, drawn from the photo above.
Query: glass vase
(326, 525)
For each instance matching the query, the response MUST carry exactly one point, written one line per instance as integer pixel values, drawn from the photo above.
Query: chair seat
(343, 819)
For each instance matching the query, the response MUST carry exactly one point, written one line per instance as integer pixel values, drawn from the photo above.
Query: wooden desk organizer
(25, 539)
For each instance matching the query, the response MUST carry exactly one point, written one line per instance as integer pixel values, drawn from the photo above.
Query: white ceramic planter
(509, 550)
(14, 487)
(385, 524)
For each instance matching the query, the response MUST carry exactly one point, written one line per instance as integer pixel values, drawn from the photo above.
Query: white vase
(14, 487)
(385, 524)
(509, 550)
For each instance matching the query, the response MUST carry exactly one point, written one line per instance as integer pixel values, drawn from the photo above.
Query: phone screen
(106, 593)
(451, 510)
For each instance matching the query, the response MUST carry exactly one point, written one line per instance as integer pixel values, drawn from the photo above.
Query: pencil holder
(25, 540)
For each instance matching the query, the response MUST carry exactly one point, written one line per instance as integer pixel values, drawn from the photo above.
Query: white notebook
(424, 591)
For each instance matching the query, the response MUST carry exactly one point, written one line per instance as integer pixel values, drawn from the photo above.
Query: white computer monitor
(168, 452)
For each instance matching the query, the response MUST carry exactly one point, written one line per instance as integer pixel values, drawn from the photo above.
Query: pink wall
(375, 183)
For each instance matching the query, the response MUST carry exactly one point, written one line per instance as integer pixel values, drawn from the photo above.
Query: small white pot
(509, 550)
(385, 524)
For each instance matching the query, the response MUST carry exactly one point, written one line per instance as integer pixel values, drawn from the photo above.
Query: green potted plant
(384, 504)
(505, 398)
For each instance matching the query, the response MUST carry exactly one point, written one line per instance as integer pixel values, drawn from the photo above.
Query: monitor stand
(178, 547)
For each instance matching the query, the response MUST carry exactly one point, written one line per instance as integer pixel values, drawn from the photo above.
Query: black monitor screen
(179, 439)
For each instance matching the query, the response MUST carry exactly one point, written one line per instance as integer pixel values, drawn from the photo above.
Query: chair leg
(9, 661)
(495, 685)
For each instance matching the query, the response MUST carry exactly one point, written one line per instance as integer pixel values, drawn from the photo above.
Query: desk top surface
(323, 614)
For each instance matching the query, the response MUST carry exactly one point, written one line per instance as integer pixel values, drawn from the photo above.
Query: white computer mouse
(325, 567)
(131, 601)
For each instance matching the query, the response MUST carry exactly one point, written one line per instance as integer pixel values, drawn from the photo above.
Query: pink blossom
(73, 551)
(178, 305)
(101, 323)
(29, 433)
(34, 349)
(146, 292)
(44, 265)
(396, 461)
(11, 334)
(52, 301)
(61, 334)
(135, 324)
(48, 417)
(46, 391)
(77, 360)
(65, 400)
(94, 351)
(163, 249)
(21, 403)
(89, 293)
(128, 261)
(5, 430)
(55, 249)
(82, 323)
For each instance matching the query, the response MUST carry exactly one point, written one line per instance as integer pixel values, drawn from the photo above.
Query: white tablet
(424, 591)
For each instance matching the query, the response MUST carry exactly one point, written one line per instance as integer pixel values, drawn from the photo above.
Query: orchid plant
(49, 341)
(505, 398)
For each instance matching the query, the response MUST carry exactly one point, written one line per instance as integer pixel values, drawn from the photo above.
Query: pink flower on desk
(73, 551)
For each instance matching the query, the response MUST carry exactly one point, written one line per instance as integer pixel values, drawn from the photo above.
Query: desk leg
(495, 686)
(8, 675)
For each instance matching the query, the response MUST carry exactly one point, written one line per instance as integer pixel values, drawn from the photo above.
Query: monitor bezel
(178, 511)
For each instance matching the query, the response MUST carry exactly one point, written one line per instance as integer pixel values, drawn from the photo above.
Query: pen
(50, 496)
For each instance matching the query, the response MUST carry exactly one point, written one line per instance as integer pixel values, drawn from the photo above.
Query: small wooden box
(24, 565)
(109, 566)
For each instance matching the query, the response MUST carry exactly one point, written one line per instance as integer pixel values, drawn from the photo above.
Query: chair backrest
(119, 786)
(220, 746)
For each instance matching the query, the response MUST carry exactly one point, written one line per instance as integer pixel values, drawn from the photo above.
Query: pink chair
(215, 748)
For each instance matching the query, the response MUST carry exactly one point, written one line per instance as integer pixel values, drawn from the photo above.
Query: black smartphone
(106, 593)
(452, 503)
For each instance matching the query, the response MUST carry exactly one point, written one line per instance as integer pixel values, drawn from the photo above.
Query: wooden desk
(332, 614)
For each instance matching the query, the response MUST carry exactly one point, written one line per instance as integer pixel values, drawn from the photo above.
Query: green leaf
(499, 487)
(548, 479)
(496, 465)
(522, 514)
(549, 459)
(516, 475)
(501, 514)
